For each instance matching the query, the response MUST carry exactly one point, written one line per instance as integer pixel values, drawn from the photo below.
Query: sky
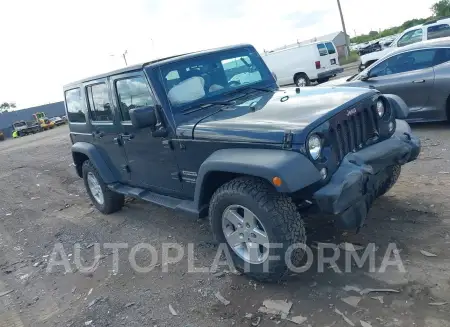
(48, 43)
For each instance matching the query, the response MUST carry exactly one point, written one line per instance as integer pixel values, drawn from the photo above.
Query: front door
(409, 75)
(105, 128)
(151, 160)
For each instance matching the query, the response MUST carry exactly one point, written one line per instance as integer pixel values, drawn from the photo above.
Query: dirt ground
(43, 202)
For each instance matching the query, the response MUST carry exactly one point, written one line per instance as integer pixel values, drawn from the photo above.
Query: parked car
(302, 64)
(429, 31)
(23, 128)
(371, 47)
(57, 120)
(418, 73)
(212, 134)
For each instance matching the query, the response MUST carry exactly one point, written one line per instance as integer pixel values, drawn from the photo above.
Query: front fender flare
(295, 170)
(399, 106)
(104, 169)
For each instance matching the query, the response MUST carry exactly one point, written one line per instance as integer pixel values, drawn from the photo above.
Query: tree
(441, 8)
(5, 106)
(373, 33)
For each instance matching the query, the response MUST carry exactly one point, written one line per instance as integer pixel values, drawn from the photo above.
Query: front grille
(351, 133)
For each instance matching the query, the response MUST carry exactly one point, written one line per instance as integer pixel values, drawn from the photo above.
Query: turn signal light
(277, 181)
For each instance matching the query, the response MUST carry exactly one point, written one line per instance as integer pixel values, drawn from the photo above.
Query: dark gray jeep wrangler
(211, 134)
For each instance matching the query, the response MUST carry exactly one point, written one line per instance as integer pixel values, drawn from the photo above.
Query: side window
(99, 104)
(322, 49)
(240, 70)
(438, 31)
(405, 62)
(74, 104)
(442, 55)
(330, 48)
(410, 37)
(132, 93)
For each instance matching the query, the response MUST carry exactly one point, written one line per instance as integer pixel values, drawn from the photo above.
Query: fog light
(391, 126)
(323, 173)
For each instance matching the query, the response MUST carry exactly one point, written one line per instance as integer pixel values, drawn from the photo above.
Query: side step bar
(185, 206)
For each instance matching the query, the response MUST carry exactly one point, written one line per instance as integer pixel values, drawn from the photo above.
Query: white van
(303, 63)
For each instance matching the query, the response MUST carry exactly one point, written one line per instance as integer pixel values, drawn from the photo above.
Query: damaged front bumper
(353, 187)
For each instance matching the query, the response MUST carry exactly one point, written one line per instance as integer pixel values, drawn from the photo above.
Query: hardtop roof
(155, 63)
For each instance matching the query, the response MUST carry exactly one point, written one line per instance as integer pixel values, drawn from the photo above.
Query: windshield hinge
(287, 139)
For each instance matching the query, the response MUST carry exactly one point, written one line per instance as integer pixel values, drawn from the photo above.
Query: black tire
(112, 201)
(323, 80)
(393, 175)
(299, 76)
(276, 211)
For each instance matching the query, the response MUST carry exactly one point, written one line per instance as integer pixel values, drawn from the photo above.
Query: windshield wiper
(206, 105)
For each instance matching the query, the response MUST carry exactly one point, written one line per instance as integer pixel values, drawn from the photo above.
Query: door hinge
(168, 144)
(287, 140)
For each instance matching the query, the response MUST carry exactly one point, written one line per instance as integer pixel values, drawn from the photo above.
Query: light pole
(347, 46)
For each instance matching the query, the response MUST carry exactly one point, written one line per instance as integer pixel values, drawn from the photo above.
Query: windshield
(208, 78)
(20, 124)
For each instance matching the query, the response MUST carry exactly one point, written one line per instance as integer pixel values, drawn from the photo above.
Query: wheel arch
(294, 169)
(82, 151)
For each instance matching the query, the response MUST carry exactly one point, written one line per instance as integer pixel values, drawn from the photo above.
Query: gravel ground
(44, 203)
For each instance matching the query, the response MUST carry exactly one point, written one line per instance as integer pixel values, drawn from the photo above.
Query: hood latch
(287, 140)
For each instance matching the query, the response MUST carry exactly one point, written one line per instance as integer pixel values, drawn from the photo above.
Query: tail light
(317, 64)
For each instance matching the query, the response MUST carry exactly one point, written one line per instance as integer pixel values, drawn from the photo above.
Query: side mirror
(143, 117)
(364, 77)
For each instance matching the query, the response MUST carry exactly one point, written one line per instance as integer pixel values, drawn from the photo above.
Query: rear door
(324, 57)
(409, 75)
(104, 127)
(332, 54)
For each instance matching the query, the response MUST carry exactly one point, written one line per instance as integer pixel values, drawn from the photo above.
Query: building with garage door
(8, 118)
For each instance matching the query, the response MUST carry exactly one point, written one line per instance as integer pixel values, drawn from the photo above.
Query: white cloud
(48, 43)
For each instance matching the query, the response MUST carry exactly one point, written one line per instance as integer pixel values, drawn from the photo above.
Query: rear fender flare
(104, 169)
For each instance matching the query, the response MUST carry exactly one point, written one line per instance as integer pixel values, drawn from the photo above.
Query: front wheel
(258, 225)
(393, 173)
(105, 200)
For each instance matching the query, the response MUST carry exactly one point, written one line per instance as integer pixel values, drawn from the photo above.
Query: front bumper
(330, 73)
(353, 187)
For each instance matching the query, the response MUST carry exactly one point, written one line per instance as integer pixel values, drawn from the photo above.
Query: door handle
(98, 134)
(127, 136)
(419, 81)
(371, 87)
(118, 141)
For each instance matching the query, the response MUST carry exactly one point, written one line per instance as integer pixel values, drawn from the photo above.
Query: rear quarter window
(75, 107)
(322, 49)
(438, 31)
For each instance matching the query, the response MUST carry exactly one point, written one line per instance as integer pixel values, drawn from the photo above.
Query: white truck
(430, 30)
(302, 64)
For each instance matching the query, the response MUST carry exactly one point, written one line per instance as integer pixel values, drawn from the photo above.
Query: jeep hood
(265, 117)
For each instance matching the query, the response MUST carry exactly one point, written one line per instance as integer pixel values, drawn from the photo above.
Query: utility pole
(124, 55)
(343, 27)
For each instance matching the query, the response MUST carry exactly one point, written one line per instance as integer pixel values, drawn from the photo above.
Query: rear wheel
(105, 200)
(256, 222)
(393, 175)
(301, 79)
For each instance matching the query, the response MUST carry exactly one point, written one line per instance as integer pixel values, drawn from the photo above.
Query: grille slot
(352, 133)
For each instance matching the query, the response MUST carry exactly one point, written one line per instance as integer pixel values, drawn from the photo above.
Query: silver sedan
(419, 73)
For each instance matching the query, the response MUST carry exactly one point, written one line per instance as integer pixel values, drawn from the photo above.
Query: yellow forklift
(42, 119)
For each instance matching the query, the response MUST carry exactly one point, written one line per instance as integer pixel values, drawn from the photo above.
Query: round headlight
(314, 146)
(380, 108)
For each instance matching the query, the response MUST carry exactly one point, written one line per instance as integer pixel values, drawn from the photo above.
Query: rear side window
(75, 108)
(132, 93)
(438, 31)
(99, 104)
(322, 49)
(330, 48)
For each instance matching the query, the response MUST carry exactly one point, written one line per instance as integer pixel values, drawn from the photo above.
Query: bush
(352, 58)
